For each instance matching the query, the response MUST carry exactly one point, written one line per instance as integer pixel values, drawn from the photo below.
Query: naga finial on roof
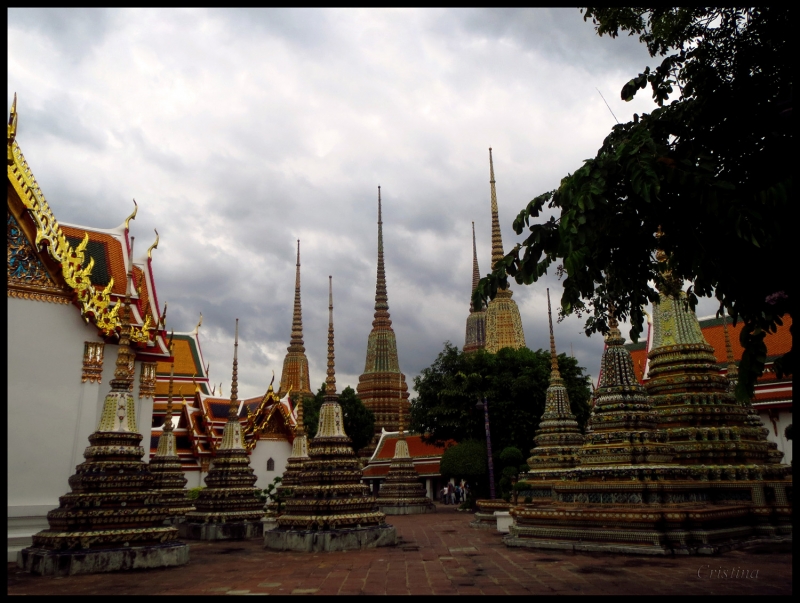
(12, 123)
(153, 246)
(131, 217)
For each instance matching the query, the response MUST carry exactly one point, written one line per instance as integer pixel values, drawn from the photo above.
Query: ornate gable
(27, 276)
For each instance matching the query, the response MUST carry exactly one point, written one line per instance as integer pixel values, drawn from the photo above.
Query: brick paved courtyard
(437, 554)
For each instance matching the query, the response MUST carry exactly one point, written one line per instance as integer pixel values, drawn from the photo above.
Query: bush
(194, 493)
(466, 460)
(511, 456)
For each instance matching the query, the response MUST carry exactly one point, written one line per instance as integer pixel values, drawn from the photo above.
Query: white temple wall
(50, 411)
(277, 450)
(194, 479)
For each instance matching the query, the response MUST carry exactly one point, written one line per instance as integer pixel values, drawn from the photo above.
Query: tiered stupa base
(342, 539)
(662, 510)
(229, 508)
(485, 515)
(402, 493)
(111, 520)
(45, 562)
(169, 482)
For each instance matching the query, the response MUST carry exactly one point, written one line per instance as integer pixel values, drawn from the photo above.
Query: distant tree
(359, 421)
(712, 166)
(467, 461)
(514, 383)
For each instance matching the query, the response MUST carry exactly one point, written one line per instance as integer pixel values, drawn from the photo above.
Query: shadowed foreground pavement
(437, 554)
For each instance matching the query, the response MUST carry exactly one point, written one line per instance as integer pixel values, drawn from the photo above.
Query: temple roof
(91, 263)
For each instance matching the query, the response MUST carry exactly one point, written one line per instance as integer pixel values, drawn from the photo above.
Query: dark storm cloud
(240, 131)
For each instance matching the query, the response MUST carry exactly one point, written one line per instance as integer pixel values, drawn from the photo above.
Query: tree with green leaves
(467, 460)
(359, 421)
(514, 383)
(711, 165)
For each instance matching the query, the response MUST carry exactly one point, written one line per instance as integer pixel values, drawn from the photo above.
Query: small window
(270, 465)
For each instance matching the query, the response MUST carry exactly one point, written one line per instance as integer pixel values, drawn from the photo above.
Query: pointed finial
(330, 381)
(162, 320)
(613, 325)
(220, 389)
(12, 122)
(168, 414)
(733, 372)
(199, 323)
(131, 217)
(296, 339)
(233, 409)
(497, 238)
(554, 374)
(476, 273)
(381, 317)
(153, 246)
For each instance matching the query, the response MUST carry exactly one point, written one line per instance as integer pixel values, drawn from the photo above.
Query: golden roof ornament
(131, 217)
(153, 246)
(733, 372)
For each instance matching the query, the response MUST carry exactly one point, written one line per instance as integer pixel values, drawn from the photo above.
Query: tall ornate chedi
(402, 493)
(694, 404)
(476, 321)
(678, 469)
(112, 519)
(168, 478)
(330, 509)
(229, 507)
(294, 377)
(503, 323)
(558, 438)
(382, 382)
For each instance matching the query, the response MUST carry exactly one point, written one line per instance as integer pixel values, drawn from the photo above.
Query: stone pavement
(437, 554)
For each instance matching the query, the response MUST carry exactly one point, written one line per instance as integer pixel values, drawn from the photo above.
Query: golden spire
(12, 124)
(131, 217)
(613, 325)
(476, 273)
(733, 372)
(381, 296)
(497, 238)
(168, 414)
(234, 407)
(555, 375)
(296, 342)
(119, 410)
(330, 381)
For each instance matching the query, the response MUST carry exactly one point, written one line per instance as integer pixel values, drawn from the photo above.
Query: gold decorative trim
(92, 361)
(36, 296)
(147, 380)
(94, 303)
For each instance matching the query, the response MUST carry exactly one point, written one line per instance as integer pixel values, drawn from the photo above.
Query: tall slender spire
(296, 343)
(503, 322)
(378, 384)
(330, 381)
(234, 407)
(554, 373)
(300, 428)
(497, 237)
(168, 414)
(381, 296)
(476, 273)
(294, 377)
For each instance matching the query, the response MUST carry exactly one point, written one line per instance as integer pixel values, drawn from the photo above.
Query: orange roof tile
(778, 343)
(416, 447)
(186, 362)
(109, 258)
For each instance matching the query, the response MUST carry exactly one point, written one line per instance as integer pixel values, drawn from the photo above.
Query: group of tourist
(454, 494)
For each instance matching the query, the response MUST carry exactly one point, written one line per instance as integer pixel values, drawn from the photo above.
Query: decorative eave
(63, 261)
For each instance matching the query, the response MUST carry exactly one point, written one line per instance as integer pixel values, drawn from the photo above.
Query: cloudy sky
(240, 131)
